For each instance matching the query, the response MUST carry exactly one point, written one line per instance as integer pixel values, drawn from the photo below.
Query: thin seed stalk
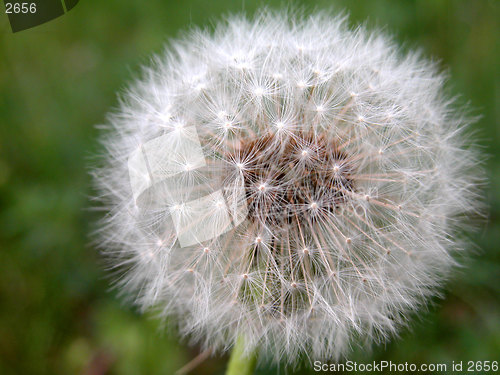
(240, 362)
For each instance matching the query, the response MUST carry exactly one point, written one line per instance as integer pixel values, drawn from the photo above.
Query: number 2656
(17, 8)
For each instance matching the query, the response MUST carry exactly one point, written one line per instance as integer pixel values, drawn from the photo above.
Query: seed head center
(292, 179)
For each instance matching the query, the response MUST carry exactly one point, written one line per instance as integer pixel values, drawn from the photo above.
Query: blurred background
(57, 312)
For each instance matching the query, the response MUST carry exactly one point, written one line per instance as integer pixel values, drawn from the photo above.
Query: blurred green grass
(57, 313)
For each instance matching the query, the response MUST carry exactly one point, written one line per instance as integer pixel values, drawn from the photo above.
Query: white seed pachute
(166, 159)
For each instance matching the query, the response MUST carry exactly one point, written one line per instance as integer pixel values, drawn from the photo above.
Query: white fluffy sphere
(289, 180)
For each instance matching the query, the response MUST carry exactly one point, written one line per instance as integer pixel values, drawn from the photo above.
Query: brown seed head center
(294, 179)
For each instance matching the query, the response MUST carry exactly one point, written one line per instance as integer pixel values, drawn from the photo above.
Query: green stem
(241, 363)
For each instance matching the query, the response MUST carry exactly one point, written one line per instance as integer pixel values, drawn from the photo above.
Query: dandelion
(286, 183)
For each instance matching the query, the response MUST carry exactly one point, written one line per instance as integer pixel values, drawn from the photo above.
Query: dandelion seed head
(279, 179)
